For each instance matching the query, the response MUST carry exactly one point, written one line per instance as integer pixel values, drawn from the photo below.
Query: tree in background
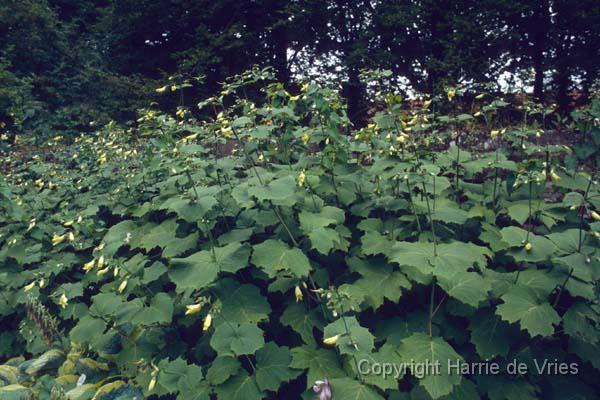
(68, 63)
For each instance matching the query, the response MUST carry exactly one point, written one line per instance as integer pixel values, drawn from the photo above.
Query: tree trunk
(355, 92)
(540, 31)
(280, 48)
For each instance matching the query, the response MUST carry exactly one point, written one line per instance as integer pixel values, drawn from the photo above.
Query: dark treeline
(66, 63)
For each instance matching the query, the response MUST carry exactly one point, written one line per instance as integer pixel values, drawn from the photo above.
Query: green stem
(585, 197)
(562, 287)
(414, 208)
(431, 300)
(430, 220)
(360, 377)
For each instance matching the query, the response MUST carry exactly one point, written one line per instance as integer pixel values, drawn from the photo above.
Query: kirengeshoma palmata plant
(257, 248)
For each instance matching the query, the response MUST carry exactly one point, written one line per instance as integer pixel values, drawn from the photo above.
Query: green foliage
(160, 265)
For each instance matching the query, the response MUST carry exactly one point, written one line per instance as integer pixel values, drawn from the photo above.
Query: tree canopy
(66, 64)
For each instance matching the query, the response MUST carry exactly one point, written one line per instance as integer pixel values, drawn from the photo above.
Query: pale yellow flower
(301, 178)
(58, 239)
(192, 309)
(451, 93)
(63, 301)
(298, 294)
(122, 286)
(331, 341)
(207, 323)
(88, 266)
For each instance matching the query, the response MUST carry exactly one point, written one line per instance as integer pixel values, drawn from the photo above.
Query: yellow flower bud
(103, 271)
(480, 96)
(207, 323)
(193, 309)
(56, 239)
(451, 93)
(101, 262)
(305, 138)
(88, 266)
(528, 246)
(494, 133)
(27, 288)
(71, 236)
(152, 384)
(31, 225)
(226, 132)
(122, 286)
(63, 301)
(298, 294)
(331, 341)
(301, 179)
(595, 215)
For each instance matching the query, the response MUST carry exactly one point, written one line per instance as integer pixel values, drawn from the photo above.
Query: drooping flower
(207, 323)
(63, 301)
(305, 138)
(595, 215)
(192, 309)
(451, 93)
(122, 286)
(58, 239)
(27, 288)
(528, 246)
(301, 178)
(88, 266)
(298, 294)
(331, 341)
(152, 384)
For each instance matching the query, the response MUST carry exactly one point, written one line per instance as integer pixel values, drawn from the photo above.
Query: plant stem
(431, 300)
(430, 220)
(562, 287)
(585, 196)
(414, 208)
(360, 377)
